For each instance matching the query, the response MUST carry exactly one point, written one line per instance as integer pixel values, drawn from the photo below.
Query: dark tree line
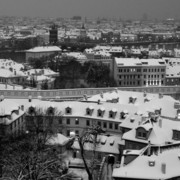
(73, 74)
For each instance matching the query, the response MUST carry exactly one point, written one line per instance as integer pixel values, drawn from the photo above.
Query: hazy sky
(92, 8)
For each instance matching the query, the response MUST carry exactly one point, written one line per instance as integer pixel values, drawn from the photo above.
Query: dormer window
(50, 110)
(176, 135)
(123, 114)
(89, 110)
(112, 113)
(141, 133)
(68, 110)
(132, 99)
(100, 112)
(31, 110)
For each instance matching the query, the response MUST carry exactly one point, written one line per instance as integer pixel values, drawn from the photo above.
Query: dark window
(60, 121)
(99, 123)
(110, 125)
(104, 125)
(77, 132)
(68, 110)
(68, 132)
(116, 127)
(68, 121)
(87, 123)
(88, 112)
(76, 121)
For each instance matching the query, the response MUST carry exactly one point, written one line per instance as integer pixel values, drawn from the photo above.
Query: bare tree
(90, 135)
(28, 157)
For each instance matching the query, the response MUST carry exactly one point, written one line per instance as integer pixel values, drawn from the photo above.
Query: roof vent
(132, 120)
(151, 162)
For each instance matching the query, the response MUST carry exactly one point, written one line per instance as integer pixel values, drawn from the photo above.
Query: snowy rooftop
(162, 166)
(139, 62)
(44, 49)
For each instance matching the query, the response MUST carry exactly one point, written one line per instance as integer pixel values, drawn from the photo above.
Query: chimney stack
(22, 107)
(30, 98)
(160, 123)
(163, 168)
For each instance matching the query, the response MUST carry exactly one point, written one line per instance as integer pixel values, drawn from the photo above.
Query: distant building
(41, 51)
(139, 72)
(53, 34)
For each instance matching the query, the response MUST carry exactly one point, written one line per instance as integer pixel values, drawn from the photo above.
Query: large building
(129, 72)
(12, 118)
(43, 51)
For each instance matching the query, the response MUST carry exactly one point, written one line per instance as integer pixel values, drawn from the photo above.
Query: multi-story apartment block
(139, 72)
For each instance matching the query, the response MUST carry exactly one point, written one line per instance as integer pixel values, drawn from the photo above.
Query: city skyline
(125, 9)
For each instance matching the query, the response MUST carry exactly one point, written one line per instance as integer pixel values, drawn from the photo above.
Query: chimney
(1, 98)
(98, 101)
(116, 90)
(30, 98)
(149, 148)
(22, 107)
(163, 168)
(145, 94)
(160, 123)
(85, 97)
(160, 95)
(101, 94)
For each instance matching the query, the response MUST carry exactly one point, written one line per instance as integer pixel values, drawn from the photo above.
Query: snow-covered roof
(58, 139)
(139, 62)
(44, 49)
(7, 108)
(104, 144)
(163, 165)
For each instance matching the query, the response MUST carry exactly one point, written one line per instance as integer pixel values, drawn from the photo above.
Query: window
(68, 110)
(68, 132)
(176, 135)
(104, 125)
(89, 111)
(100, 113)
(60, 121)
(99, 123)
(141, 133)
(116, 126)
(110, 126)
(68, 121)
(87, 123)
(76, 121)
(77, 132)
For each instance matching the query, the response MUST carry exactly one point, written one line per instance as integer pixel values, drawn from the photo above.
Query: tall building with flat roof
(139, 72)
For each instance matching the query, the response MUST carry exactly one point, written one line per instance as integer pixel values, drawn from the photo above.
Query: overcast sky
(92, 8)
